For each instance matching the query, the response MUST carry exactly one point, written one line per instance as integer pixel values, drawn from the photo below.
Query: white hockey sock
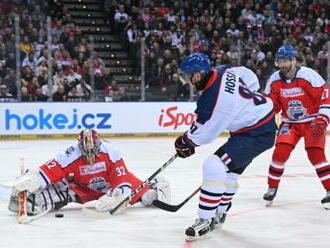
(231, 188)
(213, 186)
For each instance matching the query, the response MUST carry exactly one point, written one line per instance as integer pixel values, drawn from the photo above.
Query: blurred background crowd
(157, 34)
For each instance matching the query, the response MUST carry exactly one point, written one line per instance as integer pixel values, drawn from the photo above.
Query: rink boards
(115, 119)
(64, 120)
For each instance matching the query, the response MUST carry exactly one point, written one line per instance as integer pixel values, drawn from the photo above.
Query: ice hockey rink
(296, 219)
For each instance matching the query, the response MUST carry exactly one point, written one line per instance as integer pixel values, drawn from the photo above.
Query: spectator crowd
(245, 32)
(71, 57)
(241, 32)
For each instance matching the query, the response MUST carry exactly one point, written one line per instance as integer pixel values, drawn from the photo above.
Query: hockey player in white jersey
(228, 102)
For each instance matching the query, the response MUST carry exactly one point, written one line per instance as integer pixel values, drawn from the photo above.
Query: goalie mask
(89, 144)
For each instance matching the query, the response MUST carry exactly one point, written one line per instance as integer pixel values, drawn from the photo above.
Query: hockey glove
(183, 149)
(110, 200)
(319, 126)
(159, 190)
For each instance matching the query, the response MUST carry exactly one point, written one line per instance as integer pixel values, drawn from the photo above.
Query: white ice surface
(297, 218)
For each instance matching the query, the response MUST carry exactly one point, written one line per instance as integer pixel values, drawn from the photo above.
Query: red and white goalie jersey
(300, 98)
(91, 181)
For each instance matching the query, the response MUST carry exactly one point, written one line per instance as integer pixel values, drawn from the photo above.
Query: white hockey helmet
(89, 144)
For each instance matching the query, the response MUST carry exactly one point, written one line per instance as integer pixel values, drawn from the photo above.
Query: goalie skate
(269, 196)
(200, 229)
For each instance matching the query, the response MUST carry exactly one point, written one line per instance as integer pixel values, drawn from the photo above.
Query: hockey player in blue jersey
(229, 101)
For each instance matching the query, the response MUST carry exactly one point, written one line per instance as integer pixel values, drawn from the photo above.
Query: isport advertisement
(114, 117)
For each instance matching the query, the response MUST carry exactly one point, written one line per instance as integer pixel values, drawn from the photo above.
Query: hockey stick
(23, 217)
(27, 218)
(174, 208)
(22, 199)
(146, 182)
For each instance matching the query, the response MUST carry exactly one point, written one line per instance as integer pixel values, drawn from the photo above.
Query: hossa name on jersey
(229, 101)
(300, 98)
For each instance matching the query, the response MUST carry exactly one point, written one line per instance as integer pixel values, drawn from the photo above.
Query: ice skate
(269, 196)
(326, 201)
(220, 218)
(200, 229)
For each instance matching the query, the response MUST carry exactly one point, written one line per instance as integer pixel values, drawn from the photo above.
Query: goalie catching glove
(319, 125)
(160, 189)
(112, 199)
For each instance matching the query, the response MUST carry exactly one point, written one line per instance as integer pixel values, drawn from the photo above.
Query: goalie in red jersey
(90, 170)
(302, 97)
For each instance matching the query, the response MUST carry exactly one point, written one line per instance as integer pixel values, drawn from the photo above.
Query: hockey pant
(287, 138)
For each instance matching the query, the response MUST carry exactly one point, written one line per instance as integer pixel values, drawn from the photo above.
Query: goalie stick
(146, 182)
(23, 217)
(28, 218)
(174, 208)
(22, 199)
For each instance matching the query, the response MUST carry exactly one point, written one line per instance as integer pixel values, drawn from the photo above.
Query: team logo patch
(69, 151)
(284, 129)
(99, 184)
(293, 92)
(92, 168)
(296, 110)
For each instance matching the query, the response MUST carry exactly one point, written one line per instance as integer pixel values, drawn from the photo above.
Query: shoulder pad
(310, 76)
(68, 156)
(274, 77)
(113, 153)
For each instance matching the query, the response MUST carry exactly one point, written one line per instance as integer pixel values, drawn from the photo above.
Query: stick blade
(23, 219)
(165, 206)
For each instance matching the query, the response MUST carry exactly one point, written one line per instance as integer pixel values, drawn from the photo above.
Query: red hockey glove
(319, 125)
(183, 149)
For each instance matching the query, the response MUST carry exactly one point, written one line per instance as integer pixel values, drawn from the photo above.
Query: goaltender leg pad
(30, 181)
(13, 203)
(53, 197)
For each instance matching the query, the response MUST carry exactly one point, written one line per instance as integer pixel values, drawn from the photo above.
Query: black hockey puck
(59, 215)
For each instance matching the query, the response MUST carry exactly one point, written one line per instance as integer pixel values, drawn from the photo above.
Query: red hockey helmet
(89, 144)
